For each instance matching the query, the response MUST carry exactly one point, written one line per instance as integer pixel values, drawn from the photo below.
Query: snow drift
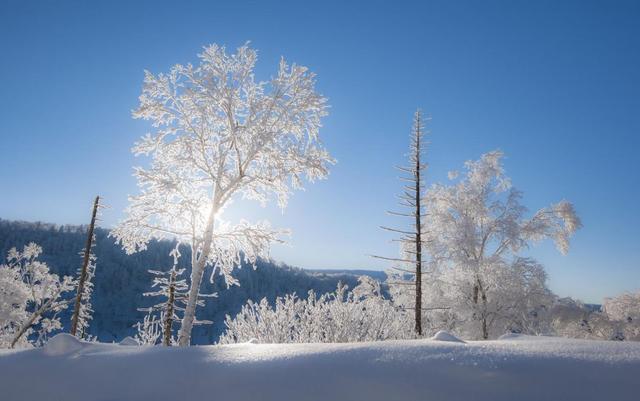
(445, 336)
(522, 368)
(63, 344)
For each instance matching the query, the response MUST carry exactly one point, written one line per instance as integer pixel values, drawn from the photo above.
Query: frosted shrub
(360, 315)
(30, 298)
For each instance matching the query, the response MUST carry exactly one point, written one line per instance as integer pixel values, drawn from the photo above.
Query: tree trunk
(168, 322)
(197, 271)
(485, 333)
(480, 294)
(83, 272)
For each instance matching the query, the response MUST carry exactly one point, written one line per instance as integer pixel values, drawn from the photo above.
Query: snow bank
(510, 336)
(532, 368)
(62, 344)
(128, 341)
(444, 336)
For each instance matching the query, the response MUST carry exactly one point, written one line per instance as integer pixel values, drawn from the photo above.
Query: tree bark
(83, 272)
(168, 322)
(479, 292)
(485, 333)
(197, 272)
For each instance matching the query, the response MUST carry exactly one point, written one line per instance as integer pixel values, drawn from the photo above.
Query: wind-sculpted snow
(518, 368)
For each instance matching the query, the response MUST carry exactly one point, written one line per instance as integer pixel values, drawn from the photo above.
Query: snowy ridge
(522, 368)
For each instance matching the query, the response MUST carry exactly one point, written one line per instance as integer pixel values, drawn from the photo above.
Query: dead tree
(84, 271)
(410, 262)
(173, 289)
(169, 286)
(170, 308)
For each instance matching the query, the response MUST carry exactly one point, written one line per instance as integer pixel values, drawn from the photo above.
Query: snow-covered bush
(573, 319)
(360, 315)
(149, 331)
(624, 310)
(30, 298)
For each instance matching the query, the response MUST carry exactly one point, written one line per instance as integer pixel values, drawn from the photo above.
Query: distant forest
(121, 279)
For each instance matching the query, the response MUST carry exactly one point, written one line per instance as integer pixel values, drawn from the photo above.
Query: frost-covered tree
(477, 226)
(515, 297)
(30, 298)
(625, 311)
(82, 311)
(360, 315)
(220, 134)
(407, 274)
(173, 290)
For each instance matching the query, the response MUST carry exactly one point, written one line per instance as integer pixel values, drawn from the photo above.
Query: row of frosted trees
(218, 134)
(458, 267)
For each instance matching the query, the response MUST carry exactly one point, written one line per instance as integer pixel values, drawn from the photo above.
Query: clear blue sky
(555, 85)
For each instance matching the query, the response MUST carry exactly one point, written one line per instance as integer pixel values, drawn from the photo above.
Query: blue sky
(553, 84)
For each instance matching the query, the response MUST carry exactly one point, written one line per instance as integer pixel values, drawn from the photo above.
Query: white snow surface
(521, 368)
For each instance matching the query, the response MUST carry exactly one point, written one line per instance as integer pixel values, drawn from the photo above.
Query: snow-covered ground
(513, 368)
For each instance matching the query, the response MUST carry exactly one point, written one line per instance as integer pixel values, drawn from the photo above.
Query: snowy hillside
(517, 368)
(115, 316)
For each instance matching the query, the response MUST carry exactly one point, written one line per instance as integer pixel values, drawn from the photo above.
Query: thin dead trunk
(83, 272)
(418, 211)
(412, 239)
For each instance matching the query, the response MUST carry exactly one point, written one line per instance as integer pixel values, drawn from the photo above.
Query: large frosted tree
(476, 230)
(219, 134)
